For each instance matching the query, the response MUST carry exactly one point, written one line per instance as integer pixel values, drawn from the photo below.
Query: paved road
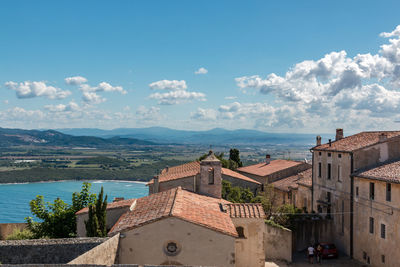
(300, 260)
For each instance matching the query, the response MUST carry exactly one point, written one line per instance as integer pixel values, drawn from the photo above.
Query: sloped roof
(356, 141)
(177, 202)
(292, 182)
(192, 169)
(245, 210)
(263, 169)
(389, 172)
(113, 205)
(237, 175)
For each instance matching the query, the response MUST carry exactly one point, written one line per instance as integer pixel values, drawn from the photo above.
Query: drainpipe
(351, 204)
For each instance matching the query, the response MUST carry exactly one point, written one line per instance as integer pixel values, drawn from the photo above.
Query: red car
(329, 250)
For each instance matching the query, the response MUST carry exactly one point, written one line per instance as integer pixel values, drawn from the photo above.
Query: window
(356, 190)
(289, 195)
(339, 155)
(371, 191)
(383, 231)
(339, 170)
(240, 231)
(319, 169)
(319, 153)
(388, 192)
(329, 154)
(171, 248)
(371, 225)
(211, 176)
(364, 255)
(328, 197)
(383, 258)
(329, 171)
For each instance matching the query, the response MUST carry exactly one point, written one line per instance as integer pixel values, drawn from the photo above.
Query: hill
(18, 137)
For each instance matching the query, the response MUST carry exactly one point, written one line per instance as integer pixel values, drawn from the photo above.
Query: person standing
(319, 253)
(311, 251)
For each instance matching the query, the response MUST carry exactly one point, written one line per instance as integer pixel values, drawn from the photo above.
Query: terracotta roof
(237, 175)
(389, 172)
(356, 141)
(292, 182)
(192, 169)
(263, 169)
(305, 178)
(179, 203)
(113, 205)
(245, 210)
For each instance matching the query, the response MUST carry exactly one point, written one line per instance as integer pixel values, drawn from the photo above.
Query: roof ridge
(173, 201)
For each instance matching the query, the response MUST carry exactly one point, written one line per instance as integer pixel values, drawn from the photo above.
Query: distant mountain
(12, 137)
(212, 137)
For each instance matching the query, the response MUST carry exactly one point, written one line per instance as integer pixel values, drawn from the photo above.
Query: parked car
(329, 250)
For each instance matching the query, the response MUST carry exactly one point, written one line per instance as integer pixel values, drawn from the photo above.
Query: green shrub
(19, 234)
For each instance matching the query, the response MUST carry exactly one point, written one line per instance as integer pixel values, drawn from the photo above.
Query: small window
(371, 225)
(339, 156)
(364, 255)
(329, 171)
(383, 231)
(329, 154)
(171, 248)
(383, 258)
(211, 176)
(319, 153)
(389, 192)
(328, 197)
(339, 172)
(289, 195)
(319, 169)
(240, 231)
(357, 191)
(371, 191)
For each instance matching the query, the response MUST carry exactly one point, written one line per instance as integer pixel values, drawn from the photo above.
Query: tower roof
(211, 157)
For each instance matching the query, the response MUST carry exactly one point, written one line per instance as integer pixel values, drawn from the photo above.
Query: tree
(234, 156)
(236, 194)
(58, 219)
(96, 225)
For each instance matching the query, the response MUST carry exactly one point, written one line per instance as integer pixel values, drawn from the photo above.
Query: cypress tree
(96, 224)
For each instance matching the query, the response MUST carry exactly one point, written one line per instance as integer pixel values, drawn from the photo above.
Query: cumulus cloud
(230, 97)
(148, 113)
(367, 84)
(177, 97)
(30, 89)
(173, 85)
(76, 80)
(204, 114)
(90, 93)
(71, 106)
(92, 97)
(201, 71)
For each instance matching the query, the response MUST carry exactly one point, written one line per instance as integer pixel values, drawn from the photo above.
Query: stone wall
(45, 251)
(7, 229)
(105, 253)
(242, 183)
(277, 243)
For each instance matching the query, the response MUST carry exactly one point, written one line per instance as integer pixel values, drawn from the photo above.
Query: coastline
(75, 180)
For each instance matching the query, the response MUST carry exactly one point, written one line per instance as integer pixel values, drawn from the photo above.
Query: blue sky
(276, 66)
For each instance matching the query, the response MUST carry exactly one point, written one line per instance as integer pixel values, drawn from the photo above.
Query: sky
(277, 66)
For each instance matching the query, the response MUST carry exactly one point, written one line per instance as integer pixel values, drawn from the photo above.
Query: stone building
(273, 170)
(295, 190)
(333, 186)
(198, 176)
(377, 215)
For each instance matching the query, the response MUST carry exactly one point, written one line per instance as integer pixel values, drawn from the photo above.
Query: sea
(14, 198)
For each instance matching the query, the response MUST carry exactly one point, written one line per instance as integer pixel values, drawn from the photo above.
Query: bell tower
(210, 176)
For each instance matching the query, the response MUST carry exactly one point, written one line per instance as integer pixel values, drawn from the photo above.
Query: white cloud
(204, 114)
(90, 93)
(201, 71)
(71, 106)
(173, 85)
(148, 114)
(92, 98)
(177, 97)
(29, 89)
(230, 97)
(5, 102)
(76, 80)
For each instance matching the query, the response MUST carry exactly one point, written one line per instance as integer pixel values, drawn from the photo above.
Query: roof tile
(263, 169)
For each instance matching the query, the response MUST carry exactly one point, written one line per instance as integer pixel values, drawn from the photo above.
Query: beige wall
(112, 217)
(199, 245)
(255, 188)
(7, 229)
(103, 254)
(250, 250)
(277, 243)
(383, 212)
(340, 193)
(303, 197)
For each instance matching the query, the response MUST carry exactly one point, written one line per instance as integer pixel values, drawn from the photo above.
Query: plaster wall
(197, 245)
(7, 229)
(339, 186)
(371, 245)
(277, 243)
(250, 249)
(105, 253)
(187, 183)
(112, 217)
(303, 198)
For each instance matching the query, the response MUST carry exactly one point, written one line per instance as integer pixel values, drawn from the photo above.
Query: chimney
(267, 159)
(330, 142)
(318, 140)
(166, 168)
(339, 134)
(155, 184)
(116, 199)
(382, 137)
